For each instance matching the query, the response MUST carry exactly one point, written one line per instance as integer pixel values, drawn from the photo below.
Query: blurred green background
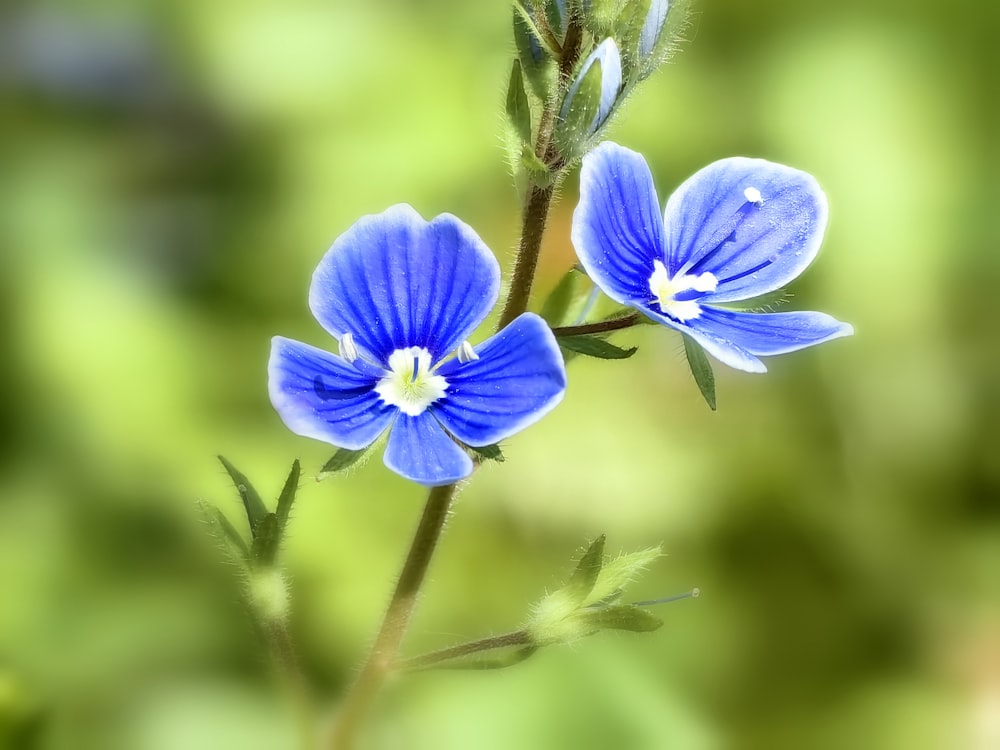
(173, 171)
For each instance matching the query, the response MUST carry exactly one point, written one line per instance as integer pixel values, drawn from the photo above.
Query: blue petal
(611, 82)
(319, 395)
(394, 280)
(652, 26)
(617, 229)
(723, 349)
(751, 249)
(518, 378)
(766, 334)
(420, 450)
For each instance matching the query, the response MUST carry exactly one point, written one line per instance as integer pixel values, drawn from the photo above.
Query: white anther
(348, 350)
(466, 353)
(752, 195)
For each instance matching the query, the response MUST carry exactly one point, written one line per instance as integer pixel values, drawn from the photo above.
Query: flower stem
(604, 326)
(390, 635)
(516, 638)
(539, 199)
(283, 651)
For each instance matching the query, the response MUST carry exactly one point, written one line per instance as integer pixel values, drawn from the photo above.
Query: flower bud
(652, 27)
(592, 96)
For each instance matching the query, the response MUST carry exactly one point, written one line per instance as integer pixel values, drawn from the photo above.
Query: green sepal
(539, 73)
(581, 583)
(574, 132)
(488, 452)
(518, 109)
(622, 617)
(701, 369)
(602, 17)
(617, 574)
(537, 170)
(556, 306)
(629, 31)
(252, 503)
(223, 530)
(287, 496)
(266, 542)
(343, 459)
(592, 346)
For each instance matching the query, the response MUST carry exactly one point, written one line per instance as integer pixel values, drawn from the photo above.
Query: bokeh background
(172, 172)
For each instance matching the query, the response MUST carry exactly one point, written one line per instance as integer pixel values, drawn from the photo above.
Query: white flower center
(410, 385)
(665, 290)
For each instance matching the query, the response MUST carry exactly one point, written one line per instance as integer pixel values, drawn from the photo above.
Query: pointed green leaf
(489, 452)
(622, 617)
(558, 302)
(701, 369)
(223, 530)
(619, 573)
(533, 51)
(339, 461)
(287, 496)
(592, 346)
(252, 504)
(581, 583)
(488, 662)
(518, 109)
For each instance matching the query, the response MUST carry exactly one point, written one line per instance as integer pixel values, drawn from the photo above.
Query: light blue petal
(394, 280)
(611, 82)
(617, 229)
(723, 349)
(420, 450)
(653, 26)
(319, 395)
(751, 249)
(766, 334)
(518, 378)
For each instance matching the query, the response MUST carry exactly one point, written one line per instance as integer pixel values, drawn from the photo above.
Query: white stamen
(410, 385)
(665, 290)
(348, 350)
(752, 195)
(466, 353)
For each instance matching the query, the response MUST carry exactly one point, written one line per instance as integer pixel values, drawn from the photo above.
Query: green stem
(283, 651)
(390, 635)
(604, 326)
(517, 638)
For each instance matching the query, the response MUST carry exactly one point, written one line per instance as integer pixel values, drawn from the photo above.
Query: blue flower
(401, 295)
(738, 229)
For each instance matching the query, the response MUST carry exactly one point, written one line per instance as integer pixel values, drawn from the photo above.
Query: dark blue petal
(319, 395)
(394, 280)
(766, 334)
(617, 229)
(518, 378)
(751, 249)
(420, 450)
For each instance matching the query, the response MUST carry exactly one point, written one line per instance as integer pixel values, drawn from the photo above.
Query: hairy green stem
(516, 638)
(390, 635)
(605, 326)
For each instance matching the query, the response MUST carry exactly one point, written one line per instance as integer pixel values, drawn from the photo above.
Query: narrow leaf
(581, 583)
(593, 346)
(223, 530)
(558, 302)
(287, 496)
(533, 51)
(252, 504)
(580, 111)
(701, 369)
(342, 459)
(518, 109)
(486, 662)
(623, 617)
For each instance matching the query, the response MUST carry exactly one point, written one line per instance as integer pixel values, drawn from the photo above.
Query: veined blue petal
(653, 26)
(394, 280)
(715, 224)
(765, 334)
(724, 350)
(611, 82)
(617, 229)
(420, 450)
(319, 395)
(517, 379)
